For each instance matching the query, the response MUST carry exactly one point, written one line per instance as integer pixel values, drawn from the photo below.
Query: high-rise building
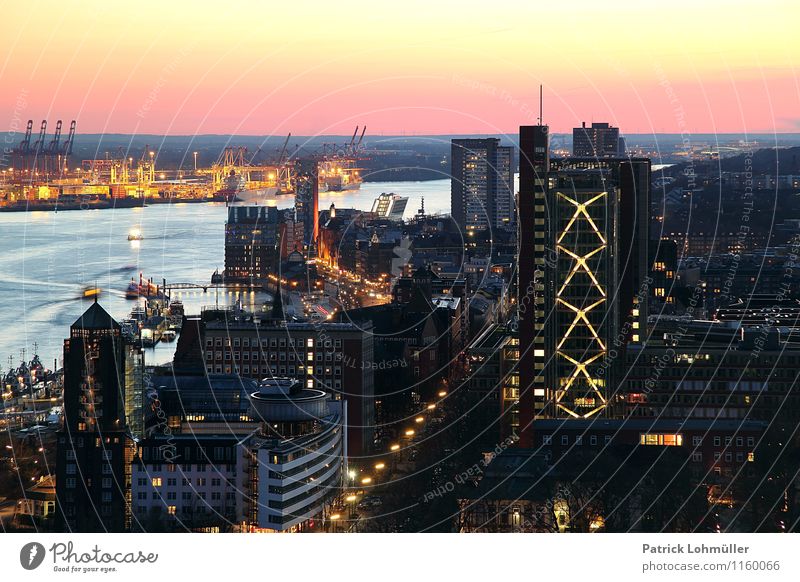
(306, 198)
(252, 249)
(532, 237)
(601, 140)
(94, 449)
(583, 269)
(482, 184)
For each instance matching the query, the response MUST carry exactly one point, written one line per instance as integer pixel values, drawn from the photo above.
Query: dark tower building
(94, 447)
(598, 141)
(534, 166)
(252, 249)
(481, 184)
(584, 297)
(306, 199)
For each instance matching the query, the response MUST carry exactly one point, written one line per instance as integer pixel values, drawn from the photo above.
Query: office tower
(94, 450)
(252, 249)
(581, 295)
(532, 236)
(481, 184)
(306, 199)
(583, 286)
(601, 140)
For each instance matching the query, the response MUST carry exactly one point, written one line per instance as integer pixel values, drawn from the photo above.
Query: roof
(95, 318)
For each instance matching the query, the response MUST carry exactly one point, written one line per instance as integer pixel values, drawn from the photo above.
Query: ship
(339, 175)
(143, 289)
(236, 188)
(135, 234)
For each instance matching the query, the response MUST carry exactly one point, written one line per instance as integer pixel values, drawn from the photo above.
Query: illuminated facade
(481, 184)
(581, 284)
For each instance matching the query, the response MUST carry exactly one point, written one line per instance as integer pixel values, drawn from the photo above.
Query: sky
(414, 67)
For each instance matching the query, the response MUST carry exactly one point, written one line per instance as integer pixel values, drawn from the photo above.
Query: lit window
(666, 440)
(156, 481)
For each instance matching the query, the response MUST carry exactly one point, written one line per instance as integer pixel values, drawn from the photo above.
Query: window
(156, 481)
(171, 510)
(593, 440)
(564, 439)
(697, 457)
(697, 441)
(658, 439)
(717, 441)
(548, 439)
(579, 440)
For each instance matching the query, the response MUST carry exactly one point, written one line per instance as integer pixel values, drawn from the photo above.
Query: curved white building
(300, 454)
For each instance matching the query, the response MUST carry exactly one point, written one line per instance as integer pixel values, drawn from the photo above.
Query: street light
(410, 432)
(431, 406)
(350, 498)
(442, 393)
(394, 448)
(419, 419)
(379, 466)
(366, 480)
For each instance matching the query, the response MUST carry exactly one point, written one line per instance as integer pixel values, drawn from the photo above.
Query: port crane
(42, 157)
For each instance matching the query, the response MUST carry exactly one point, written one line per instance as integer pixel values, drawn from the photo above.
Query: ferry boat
(135, 234)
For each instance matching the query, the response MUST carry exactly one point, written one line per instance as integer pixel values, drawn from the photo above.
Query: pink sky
(449, 67)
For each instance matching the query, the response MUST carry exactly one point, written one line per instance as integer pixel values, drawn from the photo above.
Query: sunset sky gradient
(433, 67)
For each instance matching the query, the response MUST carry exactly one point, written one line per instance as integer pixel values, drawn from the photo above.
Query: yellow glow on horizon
(428, 66)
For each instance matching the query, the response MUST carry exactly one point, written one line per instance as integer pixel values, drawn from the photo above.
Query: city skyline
(432, 70)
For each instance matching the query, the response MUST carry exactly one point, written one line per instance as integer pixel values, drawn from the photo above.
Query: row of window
(273, 342)
(660, 439)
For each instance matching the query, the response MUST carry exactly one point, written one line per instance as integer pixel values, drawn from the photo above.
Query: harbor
(50, 260)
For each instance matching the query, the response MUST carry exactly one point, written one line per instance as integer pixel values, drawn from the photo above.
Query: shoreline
(103, 205)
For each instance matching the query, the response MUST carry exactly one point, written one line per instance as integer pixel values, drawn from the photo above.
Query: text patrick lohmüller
(694, 549)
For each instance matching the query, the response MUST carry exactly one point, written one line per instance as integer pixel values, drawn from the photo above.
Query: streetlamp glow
(366, 480)
(394, 448)
(379, 466)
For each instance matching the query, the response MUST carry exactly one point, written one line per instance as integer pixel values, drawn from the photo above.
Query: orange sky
(262, 67)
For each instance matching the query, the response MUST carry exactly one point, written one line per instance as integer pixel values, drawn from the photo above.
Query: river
(48, 258)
